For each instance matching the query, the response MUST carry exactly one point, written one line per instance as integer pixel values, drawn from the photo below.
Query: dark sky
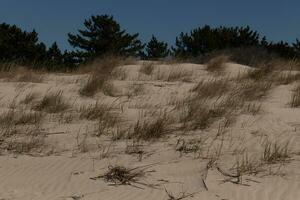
(53, 19)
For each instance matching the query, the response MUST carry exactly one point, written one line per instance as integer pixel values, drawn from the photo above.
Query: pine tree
(54, 54)
(206, 39)
(103, 35)
(155, 49)
(296, 47)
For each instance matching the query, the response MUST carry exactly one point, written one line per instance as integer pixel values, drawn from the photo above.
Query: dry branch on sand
(119, 175)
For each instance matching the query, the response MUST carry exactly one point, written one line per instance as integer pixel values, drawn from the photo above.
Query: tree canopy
(21, 46)
(103, 35)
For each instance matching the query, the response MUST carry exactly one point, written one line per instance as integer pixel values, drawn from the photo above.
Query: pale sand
(65, 173)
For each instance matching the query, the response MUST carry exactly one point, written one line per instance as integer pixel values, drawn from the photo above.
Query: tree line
(102, 35)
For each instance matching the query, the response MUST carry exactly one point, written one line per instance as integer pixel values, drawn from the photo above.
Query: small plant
(52, 103)
(181, 196)
(295, 98)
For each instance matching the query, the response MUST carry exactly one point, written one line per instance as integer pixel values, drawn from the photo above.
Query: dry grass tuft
(29, 98)
(109, 89)
(105, 115)
(212, 88)
(26, 75)
(24, 145)
(295, 98)
(245, 165)
(135, 90)
(119, 73)
(13, 118)
(151, 129)
(200, 113)
(217, 64)
(101, 70)
(274, 152)
(250, 90)
(52, 103)
(96, 111)
(252, 108)
(177, 73)
(92, 86)
(147, 68)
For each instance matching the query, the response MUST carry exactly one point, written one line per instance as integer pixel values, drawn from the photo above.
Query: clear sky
(53, 19)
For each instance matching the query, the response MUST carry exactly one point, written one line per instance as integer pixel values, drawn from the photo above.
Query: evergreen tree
(103, 35)
(155, 49)
(206, 39)
(20, 46)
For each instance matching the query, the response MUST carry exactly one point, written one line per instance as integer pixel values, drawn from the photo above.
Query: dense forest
(103, 35)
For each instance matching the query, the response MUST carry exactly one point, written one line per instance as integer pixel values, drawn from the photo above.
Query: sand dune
(72, 154)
